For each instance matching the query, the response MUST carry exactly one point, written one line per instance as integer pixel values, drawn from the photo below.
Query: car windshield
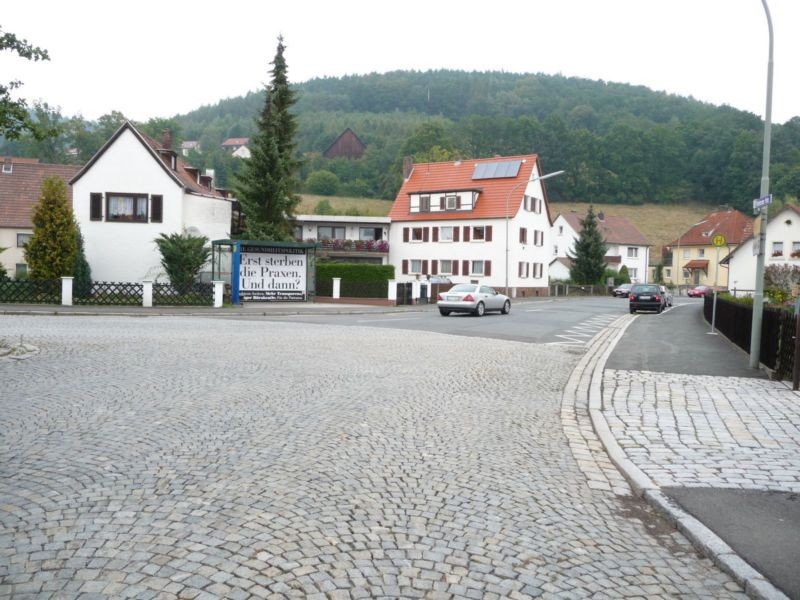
(645, 289)
(463, 287)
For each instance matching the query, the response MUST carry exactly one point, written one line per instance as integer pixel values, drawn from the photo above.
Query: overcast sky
(159, 58)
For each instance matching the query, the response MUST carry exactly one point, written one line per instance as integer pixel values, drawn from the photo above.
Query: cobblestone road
(196, 458)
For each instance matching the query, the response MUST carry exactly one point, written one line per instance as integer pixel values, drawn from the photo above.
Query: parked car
(646, 296)
(472, 298)
(667, 295)
(622, 291)
(699, 291)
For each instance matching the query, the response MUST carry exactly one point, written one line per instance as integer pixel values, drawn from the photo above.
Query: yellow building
(694, 257)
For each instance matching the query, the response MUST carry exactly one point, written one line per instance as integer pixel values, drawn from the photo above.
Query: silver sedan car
(472, 298)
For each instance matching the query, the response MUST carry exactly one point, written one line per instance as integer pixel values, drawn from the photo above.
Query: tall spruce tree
(50, 253)
(588, 262)
(266, 186)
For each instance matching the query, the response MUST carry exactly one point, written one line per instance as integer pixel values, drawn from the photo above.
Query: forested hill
(617, 143)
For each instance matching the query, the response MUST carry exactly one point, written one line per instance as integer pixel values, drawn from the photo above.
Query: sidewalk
(711, 444)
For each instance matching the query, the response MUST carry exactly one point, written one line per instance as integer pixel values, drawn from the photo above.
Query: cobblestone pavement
(201, 458)
(691, 430)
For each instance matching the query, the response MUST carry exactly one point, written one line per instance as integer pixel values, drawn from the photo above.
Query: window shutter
(455, 267)
(434, 267)
(465, 267)
(488, 233)
(425, 234)
(487, 267)
(156, 209)
(441, 203)
(405, 236)
(435, 234)
(466, 233)
(424, 267)
(456, 233)
(458, 202)
(95, 207)
(519, 269)
(405, 267)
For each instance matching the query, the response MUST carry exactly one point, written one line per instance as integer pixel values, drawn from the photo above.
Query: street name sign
(762, 202)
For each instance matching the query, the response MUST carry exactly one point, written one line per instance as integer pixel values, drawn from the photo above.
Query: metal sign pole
(714, 309)
(237, 260)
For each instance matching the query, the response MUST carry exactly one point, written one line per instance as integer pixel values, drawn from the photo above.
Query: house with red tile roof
(237, 147)
(20, 189)
(134, 189)
(484, 220)
(625, 244)
(782, 248)
(694, 256)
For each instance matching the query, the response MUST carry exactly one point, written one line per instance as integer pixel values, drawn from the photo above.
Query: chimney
(7, 165)
(166, 139)
(408, 166)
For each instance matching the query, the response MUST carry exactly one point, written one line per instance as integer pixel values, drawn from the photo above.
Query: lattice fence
(200, 294)
(32, 291)
(111, 293)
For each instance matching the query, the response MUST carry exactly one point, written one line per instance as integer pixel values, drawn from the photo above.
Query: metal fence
(571, 289)
(111, 293)
(778, 327)
(31, 291)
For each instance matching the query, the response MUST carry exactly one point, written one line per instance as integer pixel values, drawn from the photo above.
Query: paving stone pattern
(704, 431)
(201, 458)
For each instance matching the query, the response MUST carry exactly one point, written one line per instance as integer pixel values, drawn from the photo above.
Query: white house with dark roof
(135, 189)
(484, 220)
(625, 244)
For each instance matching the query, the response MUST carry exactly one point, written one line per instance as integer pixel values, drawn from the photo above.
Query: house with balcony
(782, 249)
(346, 238)
(481, 220)
(625, 244)
(691, 259)
(20, 189)
(134, 189)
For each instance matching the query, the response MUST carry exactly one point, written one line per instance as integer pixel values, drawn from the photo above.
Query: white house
(482, 220)
(237, 147)
(134, 189)
(625, 243)
(346, 238)
(782, 248)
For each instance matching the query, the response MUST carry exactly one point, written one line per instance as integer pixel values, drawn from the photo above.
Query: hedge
(361, 272)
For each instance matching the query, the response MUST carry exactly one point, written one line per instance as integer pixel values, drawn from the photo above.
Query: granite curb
(702, 538)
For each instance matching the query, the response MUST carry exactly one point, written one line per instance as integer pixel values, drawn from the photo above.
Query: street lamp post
(508, 198)
(758, 296)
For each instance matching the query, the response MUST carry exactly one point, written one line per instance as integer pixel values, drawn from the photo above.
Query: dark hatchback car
(646, 296)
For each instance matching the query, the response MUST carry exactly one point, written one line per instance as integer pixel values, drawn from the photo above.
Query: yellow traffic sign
(718, 240)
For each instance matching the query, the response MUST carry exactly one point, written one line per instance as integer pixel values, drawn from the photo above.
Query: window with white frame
(126, 207)
(415, 265)
(686, 273)
(687, 253)
(416, 234)
(555, 248)
(476, 267)
(537, 270)
(370, 233)
(701, 252)
(560, 230)
(537, 205)
(777, 249)
(538, 237)
(23, 238)
(445, 234)
(450, 202)
(633, 252)
(446, 267)
(329, 232)
(795, 250)
(633, 274)
(524, 270)
(478, 233)
(667, 272)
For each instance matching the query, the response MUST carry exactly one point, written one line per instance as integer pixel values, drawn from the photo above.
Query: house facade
(20, 189)
(484, 220)
(782, 249)
(694, 257)
(625, 244)
(237, 147)
(135, 189)
(344, 238)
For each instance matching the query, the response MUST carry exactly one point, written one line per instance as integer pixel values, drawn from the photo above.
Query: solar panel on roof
(497, 170)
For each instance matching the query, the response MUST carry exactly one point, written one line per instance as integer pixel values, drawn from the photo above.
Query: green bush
(323, 183)
(354, 271)
(182, 256)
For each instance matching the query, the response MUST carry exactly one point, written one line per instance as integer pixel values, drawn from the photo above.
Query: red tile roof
(735, 226)
(615, 230)
(454, 176)
(20, 190)
(183, 174)
(697, 264)
(235, 142)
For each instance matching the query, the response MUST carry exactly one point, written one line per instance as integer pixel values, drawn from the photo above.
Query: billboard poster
(272, 274)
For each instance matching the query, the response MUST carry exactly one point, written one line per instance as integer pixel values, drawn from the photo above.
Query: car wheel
(659, 309)
(480, 309)
(506, 307)
(444, 312)
(633, 310)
